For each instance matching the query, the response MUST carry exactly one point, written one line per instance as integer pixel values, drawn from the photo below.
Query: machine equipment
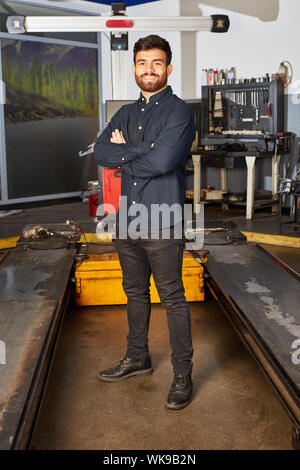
(244, 115)
(289, 184)
(241, 120)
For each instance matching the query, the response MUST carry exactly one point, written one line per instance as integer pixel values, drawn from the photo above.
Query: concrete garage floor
(234, 407)
(10, 226)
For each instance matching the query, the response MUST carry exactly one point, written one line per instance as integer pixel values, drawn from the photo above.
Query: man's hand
(117, 137)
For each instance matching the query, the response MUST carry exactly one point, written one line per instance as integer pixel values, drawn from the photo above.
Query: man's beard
(152, 86)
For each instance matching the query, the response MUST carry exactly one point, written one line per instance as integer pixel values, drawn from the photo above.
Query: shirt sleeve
(112, 155)
(170, 149)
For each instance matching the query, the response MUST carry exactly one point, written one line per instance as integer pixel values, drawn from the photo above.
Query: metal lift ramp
(261, 297)
(34, 294)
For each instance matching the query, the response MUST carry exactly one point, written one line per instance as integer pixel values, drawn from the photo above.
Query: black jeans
(138, 258)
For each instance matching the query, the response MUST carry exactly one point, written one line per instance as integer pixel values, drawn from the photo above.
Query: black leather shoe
(180, 393)
(127, 368)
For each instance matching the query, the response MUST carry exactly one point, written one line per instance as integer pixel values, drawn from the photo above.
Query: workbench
(250, 158)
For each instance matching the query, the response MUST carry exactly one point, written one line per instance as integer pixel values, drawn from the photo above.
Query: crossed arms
(147, 159)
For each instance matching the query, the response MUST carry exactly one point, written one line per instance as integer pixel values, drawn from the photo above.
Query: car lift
(259, 294)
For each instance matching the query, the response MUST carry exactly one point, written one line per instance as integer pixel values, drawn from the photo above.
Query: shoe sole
(131, 374)
(171, 406)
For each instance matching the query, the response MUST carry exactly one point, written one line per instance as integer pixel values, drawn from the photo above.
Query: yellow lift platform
(99, 281)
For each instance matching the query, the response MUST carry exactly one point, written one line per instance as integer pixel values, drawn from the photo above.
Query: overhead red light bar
(119, 24)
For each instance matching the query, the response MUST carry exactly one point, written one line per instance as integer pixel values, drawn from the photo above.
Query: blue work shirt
(150, 176)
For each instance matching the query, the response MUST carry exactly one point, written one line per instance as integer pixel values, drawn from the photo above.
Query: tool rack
(241, 113)
(241, 120)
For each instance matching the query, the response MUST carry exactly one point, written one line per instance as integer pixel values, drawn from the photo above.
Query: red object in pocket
(111, 180)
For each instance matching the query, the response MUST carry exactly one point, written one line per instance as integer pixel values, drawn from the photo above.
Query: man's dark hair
(153, 42)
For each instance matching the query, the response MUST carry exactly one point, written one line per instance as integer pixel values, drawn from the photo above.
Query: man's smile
(149, 77)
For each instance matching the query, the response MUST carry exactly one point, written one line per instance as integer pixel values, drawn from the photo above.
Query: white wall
(255, 47)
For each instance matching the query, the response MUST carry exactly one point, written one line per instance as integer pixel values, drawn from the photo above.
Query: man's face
(151, 70)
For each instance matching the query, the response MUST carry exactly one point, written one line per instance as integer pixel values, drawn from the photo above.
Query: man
(150, 141)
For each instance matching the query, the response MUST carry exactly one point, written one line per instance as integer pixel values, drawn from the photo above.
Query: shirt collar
(157, 96)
